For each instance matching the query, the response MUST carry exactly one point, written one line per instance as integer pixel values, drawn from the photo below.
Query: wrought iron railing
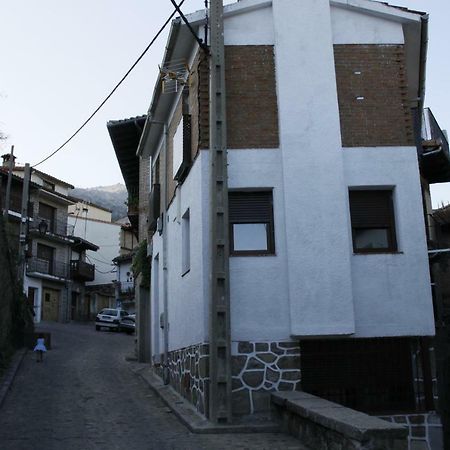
(82, 270)
(126, 287)
(56, 268)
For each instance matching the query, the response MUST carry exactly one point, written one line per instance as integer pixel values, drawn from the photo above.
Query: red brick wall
(252, 111)
(383, 117)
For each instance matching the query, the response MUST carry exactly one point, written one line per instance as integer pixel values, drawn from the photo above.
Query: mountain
(111, 197)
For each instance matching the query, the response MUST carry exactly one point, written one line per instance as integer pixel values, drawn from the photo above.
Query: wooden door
(50, 304)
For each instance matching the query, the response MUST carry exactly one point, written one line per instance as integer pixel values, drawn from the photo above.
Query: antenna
(174, 75)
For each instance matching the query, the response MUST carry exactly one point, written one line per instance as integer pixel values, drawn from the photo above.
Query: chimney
(6, 157)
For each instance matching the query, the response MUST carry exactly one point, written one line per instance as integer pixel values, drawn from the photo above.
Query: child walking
(40, 348)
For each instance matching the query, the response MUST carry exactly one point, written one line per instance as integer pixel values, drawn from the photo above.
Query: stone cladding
(259, 368)
(189, 374)
(425, 430)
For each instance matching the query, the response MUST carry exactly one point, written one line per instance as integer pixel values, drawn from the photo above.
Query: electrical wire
(183, 17)
(114, 89)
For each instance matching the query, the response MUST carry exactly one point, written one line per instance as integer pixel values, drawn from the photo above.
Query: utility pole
(219, 320)
(24, 220)
(8, 185)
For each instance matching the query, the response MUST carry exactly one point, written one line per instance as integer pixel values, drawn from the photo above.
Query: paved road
(83, 397)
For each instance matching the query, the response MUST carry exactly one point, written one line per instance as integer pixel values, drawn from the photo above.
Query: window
(186, 243)
(251, 223)
(182, 149)
(45, 259)
(47, 213)
(372, 217)
(47, 185)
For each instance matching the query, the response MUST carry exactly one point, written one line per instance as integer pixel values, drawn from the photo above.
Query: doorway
(50, 304)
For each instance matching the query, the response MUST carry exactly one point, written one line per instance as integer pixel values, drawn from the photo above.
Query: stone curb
(8, 378)
(187, 414)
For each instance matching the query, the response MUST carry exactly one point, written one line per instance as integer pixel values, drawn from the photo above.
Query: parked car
(109, 318)
(128, 323)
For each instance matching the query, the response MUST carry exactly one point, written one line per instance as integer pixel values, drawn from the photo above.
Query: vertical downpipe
(165, 259)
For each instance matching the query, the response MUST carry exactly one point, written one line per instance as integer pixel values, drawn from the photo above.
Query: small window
(186, 244)
(251, 223)
(48, 185)
(372, 217)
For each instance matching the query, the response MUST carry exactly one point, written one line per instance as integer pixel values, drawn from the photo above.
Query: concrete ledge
(322, 424)
(7, 380)
(186, 412)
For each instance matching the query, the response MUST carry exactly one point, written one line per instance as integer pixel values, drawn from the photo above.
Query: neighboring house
(125, 135)
(328, 172)
(93, 223)
(125, 282)
(54, 269)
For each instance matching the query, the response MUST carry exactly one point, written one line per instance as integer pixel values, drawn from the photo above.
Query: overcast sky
(59, 59)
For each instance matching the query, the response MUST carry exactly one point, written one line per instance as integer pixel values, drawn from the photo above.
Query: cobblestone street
(84, 397)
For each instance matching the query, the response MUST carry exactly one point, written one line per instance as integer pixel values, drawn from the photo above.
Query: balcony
(126, 287)
(45, 268)
(82, 271)
(433, 150)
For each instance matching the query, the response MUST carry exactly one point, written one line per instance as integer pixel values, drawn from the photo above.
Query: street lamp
(42, 227)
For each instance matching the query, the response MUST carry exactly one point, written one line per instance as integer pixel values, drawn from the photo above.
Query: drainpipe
(422, 65)
(165, 263)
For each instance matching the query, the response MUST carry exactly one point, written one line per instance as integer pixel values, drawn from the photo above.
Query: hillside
(111, 197)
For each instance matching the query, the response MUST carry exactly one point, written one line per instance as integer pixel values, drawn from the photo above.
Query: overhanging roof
(125, 136)
(80, 244)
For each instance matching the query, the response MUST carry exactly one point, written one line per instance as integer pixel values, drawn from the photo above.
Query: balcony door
(45, 259)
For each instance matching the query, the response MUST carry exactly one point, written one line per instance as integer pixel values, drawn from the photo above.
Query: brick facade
(252, 110)
(372, 94)
(144, 192)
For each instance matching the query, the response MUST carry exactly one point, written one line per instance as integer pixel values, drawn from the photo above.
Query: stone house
(55, 270)
(329, 166)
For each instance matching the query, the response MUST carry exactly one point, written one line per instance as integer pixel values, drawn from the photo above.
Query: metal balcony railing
(432, 132)
(80, 270)
(433, 150)
(126, 287)
(41, 266)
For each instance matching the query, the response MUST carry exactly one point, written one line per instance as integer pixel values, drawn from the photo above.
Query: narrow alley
(84, 397)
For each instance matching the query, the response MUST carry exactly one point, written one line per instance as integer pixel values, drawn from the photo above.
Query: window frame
(270, 229)
(389, 225)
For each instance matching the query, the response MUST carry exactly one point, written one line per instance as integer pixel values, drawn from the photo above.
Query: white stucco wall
(391, 292)
(259, 284)
(353, 27)
(186, 312)
(107, 237)
(319, 269)
(250, 28)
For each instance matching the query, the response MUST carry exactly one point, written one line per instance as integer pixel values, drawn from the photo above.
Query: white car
(109, 318)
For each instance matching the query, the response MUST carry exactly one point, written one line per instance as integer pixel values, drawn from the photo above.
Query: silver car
(109, 318)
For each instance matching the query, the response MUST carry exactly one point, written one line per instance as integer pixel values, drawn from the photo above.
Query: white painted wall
(107, 237)
(320, 290)
(391, 292)
(353, 27)
(259, 284)
(250, 28)
(186, 312)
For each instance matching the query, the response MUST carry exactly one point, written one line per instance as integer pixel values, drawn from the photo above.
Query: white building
(329, 275)
(93, 223)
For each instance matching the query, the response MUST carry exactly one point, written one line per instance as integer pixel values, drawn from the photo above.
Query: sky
(59, 59)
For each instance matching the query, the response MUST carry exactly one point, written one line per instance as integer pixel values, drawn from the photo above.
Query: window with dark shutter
(373, 224)
(251, 223)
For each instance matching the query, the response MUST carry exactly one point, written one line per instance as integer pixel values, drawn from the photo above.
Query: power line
(114, 89)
